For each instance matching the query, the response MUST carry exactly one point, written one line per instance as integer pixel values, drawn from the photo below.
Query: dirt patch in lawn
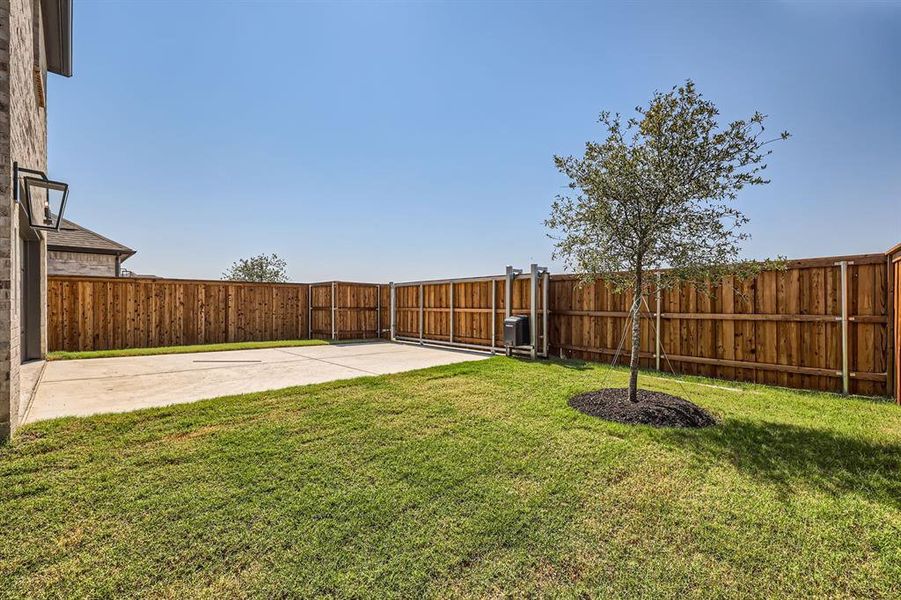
(653, 408)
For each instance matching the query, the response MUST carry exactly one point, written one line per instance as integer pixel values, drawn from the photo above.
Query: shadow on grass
(793, 458)
(576, 365)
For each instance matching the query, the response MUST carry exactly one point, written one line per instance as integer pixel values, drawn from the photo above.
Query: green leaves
(270, 269)
(656, 193)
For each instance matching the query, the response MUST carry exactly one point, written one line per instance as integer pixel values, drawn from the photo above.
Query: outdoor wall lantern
(37, 184)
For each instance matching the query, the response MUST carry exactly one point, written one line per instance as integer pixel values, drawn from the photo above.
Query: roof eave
(83, 250)
(57, 17)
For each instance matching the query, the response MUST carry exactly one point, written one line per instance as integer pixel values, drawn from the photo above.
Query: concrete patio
(101, 385)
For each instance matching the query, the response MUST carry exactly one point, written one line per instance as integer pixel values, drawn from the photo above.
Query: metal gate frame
(535, 273)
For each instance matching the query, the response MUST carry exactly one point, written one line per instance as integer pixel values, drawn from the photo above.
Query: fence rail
(780, 327)
(97, 313)
(469, 312)
(822, 324)
(343, 310)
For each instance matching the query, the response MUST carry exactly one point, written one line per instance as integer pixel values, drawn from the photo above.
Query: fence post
(657, 329)
(892, 351)
(392, 303)
(508, 300)
(310, 311)
(846, 374)
(533, 310)
(378, 311)
(334, 311)
(493, 314)
(421, 314)
(451, 318)
(546, 283)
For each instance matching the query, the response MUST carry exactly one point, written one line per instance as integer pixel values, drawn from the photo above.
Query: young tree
(657, 194)
(271, 269)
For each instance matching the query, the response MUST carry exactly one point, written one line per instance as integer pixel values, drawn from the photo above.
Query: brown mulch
(653, 408)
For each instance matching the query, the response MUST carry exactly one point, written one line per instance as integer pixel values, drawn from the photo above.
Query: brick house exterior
(76, 250)
(35, 38)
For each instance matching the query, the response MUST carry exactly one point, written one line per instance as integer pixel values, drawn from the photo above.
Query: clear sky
(376, 141)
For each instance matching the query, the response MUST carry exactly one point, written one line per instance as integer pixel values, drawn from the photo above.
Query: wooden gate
(345, 310)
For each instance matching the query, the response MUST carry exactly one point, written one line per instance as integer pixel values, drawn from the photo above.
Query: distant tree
(271, 269)
(657, 193)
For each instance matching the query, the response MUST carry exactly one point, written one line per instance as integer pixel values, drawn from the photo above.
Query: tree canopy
(263, 268)
(657, 193)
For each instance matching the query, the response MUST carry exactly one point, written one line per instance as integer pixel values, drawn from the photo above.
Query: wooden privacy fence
(823, 324)
(341, 310)
(469, 312)
(98, 313)
(893, 266)
(819, 324)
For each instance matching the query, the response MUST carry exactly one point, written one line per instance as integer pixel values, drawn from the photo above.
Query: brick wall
(80, 263)
(23, 138)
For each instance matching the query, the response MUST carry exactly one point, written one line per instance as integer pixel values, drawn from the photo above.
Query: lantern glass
(45, 202)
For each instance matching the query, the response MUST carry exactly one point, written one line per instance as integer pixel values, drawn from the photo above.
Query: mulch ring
(653, 408)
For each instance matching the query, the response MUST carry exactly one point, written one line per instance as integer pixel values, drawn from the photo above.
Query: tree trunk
(636, 337)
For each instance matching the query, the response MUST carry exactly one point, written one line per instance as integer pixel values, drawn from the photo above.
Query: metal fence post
(310, 312)
(508, 292)
(657, 329)
(378, 311)
(508, 300)
(846, 374)
(421, 313)
(451, 318)
(334, 311)
(533, 310)
(493, 314)
(545, 295)
(392, 302)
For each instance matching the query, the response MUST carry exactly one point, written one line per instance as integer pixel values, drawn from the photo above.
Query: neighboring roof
(58, 35)
(127, 273)
(75, 238)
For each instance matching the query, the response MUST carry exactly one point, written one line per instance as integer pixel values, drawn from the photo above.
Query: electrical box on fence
(516, 331)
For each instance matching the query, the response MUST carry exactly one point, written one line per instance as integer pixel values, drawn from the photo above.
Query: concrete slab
(91, 386)
(29, 374)
(96, 368)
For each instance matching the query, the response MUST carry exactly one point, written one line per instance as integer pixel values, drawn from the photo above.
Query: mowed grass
(64, 355)
(469, 480)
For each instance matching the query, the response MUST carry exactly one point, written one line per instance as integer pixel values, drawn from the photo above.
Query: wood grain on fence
(471, 314)
(780, 327)
(893, 267)
(96, 313)
(348, 310)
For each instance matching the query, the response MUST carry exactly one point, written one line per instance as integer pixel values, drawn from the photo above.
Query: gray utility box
(516, 331)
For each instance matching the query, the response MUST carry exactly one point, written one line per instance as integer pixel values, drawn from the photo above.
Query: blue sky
(377, 141)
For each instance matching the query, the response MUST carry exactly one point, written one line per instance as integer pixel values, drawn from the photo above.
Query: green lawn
(63, 355)
(471, 480)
